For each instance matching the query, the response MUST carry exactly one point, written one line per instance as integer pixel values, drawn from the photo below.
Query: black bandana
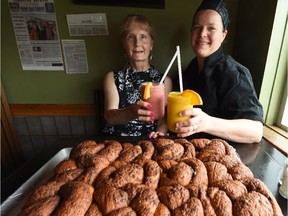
(217, 5)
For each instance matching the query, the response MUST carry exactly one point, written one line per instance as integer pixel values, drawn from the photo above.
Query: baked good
(43, 207)
(110, 199)
(163, 177)
(93, 210)
(65, 165)
(76, 198)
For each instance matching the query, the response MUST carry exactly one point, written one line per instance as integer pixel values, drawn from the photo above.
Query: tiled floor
(38, 132)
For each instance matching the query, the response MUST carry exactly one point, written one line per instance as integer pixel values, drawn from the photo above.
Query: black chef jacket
(226, 87)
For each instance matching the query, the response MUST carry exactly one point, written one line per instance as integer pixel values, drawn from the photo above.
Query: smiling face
(207, 33)
(137, 43)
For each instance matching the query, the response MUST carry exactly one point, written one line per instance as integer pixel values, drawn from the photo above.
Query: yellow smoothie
(176, 104)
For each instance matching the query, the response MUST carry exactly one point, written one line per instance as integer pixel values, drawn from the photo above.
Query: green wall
(252, 36)
(105, 53)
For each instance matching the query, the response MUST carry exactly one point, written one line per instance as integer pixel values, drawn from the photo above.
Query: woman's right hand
(141, 111)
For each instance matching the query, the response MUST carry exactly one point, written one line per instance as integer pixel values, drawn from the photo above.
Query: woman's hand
(161, 130)
(197, 123)
(156, 134)
(140, 111)
(236, 130)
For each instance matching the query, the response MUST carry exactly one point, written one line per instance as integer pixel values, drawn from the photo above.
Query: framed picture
(125, 3)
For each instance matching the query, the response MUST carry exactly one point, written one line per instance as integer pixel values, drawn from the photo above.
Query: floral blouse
(128, 86)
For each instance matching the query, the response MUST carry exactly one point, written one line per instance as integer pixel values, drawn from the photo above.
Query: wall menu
(36, 34)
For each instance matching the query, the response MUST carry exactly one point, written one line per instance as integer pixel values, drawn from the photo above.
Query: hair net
(217, 5)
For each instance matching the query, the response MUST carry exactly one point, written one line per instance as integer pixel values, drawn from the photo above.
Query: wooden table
(263, 159)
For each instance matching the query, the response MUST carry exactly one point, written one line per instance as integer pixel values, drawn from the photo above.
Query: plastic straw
(168, 68)
(179, 69)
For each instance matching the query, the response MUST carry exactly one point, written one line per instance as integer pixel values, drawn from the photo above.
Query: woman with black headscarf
(231, 109)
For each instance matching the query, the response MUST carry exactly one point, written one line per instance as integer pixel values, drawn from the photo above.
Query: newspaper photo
(36, 34)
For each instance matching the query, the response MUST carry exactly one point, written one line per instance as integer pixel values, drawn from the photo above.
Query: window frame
(275, 75)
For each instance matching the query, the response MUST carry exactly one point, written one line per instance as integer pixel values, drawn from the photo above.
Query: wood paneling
(276, 139)
(52, 109)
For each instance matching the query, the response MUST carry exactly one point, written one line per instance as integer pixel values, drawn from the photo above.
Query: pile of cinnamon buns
(159, 177)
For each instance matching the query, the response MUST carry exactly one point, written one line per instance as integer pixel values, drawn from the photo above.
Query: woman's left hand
(197, 123)
(156, 134)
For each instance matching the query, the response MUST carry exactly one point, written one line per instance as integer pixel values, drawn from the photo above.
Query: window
(284, 119)
(273, 95)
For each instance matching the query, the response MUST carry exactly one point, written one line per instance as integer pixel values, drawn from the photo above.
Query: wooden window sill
(276, 137)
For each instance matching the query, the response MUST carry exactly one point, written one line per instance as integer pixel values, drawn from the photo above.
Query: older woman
(126, 114)
(231, 109)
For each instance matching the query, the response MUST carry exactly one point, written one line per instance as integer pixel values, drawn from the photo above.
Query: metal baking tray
(14, 203)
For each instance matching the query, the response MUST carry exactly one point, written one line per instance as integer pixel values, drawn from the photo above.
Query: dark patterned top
(226, 87)
(128, 86)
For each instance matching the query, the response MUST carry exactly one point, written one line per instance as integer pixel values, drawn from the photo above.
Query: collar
(130, 69)
(211, 60)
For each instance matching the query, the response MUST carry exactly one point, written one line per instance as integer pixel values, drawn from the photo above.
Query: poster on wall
(75, 56)
(87, 24)
(36, 33)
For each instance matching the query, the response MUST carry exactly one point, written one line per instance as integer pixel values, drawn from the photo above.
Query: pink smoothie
(157, 98)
